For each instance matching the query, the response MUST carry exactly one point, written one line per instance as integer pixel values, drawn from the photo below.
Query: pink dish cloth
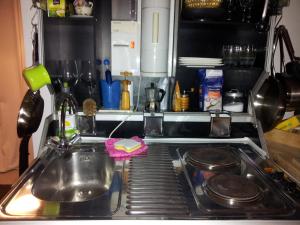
(122, 155)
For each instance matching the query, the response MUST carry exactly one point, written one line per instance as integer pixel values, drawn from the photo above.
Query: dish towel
(121, 154)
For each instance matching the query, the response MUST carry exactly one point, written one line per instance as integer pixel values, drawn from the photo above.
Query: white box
(125, 47)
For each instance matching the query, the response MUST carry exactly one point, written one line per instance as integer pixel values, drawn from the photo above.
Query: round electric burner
(232, 191)
(212, 158)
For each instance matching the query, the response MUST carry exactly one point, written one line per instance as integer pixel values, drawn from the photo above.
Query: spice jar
(233, 101)
(184, 102)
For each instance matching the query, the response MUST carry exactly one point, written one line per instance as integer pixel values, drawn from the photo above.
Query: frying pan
(29, 118)
(270, 103)
(280, 92)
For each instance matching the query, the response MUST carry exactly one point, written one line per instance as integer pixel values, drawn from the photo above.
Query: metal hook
(34, 34)
(34, 16)
(34, 31)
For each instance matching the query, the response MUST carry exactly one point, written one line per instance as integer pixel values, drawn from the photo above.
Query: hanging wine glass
(229, 9)
(249, 11)
(246, 6)
(67, 71)
(88, 77)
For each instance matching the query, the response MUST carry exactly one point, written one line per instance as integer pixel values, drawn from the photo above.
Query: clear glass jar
(233, 101)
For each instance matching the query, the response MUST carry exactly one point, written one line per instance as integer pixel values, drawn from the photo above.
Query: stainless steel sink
(80, 174)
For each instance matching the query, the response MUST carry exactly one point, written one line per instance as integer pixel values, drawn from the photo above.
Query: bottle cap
(106, 62)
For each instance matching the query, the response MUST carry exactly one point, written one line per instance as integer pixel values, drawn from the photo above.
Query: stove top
(212, 159)
(232, 191)
(205, 181)
(225, 181)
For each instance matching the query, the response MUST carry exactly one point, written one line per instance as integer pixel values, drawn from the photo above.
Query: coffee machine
(154, 96)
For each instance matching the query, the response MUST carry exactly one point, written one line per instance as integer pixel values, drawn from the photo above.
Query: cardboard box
(284, 149)
(56, 8)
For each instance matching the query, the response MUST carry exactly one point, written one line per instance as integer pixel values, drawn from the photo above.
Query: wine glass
(229, 9)
(246, 6)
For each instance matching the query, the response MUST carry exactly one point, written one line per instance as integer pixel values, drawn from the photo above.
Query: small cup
(86, 9)
(36, 77)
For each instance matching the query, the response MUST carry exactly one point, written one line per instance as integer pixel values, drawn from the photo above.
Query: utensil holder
(111, 94)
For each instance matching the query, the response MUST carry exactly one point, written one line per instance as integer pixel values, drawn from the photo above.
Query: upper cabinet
(156, 41)
(214, 28)
(70, 49)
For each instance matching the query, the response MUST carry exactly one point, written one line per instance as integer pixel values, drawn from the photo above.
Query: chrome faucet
(68, 104)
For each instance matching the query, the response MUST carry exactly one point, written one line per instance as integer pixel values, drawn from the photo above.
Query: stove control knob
(290, 186)
(277, 176)
(296, 194)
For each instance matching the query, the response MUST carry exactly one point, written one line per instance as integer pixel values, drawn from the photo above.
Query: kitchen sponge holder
(220, 124)
(153, 124)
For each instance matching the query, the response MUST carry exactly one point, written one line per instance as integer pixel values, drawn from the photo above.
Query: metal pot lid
(234, 93)
(270, 103)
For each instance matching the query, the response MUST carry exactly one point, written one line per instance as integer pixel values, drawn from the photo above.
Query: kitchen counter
(115, 205)
(157, 185)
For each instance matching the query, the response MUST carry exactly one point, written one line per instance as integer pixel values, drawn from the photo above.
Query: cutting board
(284, 137)
(288, 163)
(284, 149)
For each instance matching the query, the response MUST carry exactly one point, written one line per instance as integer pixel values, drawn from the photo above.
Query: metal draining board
(153, 188)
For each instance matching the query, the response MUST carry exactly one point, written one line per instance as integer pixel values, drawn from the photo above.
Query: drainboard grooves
(151, 197)
(153, 187)
(156, 180)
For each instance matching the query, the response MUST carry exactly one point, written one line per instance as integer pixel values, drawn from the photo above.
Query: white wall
(291, 20)
(26, 17)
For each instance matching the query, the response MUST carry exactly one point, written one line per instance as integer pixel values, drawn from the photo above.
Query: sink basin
(78, 175)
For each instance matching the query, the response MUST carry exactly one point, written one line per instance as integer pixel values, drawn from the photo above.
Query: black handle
(281, 54)
(288, 43)
(35, 47)
(163, 92)
(262, 25)
(282, 36)
(23, 154)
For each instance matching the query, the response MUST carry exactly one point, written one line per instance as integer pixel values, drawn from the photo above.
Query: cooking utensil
(269, 103)
(293, 67)
(108, 76)
(279, 93)
(35, 45)
(36, 77)
(154, 96)
(262, 25)
(29, 118)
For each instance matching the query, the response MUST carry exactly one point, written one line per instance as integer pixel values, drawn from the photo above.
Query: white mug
(84, 10)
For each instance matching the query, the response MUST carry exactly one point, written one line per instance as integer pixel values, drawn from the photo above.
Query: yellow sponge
(127, 145)
(289, 124)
